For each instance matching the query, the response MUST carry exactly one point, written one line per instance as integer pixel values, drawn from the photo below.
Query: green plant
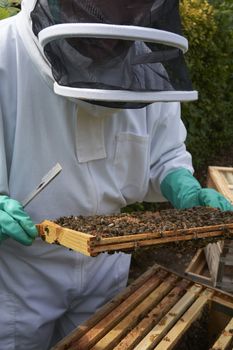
(208, 26)
(209, 122)
(9, 8)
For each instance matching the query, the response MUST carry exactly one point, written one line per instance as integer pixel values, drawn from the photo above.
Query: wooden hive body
(219, 255)
(160, 310)
(221, 179)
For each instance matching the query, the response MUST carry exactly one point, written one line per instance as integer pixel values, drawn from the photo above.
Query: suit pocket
(132, 165)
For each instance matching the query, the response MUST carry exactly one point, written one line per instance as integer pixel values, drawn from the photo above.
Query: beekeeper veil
(115, 53)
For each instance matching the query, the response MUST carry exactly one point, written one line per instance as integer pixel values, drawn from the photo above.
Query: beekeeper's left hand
(184, 191)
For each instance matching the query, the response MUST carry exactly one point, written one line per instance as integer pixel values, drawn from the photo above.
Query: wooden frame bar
(112, 338)
(221, 179)
(155, 312)
(92, 245)
(196, 268)
(225, 339)
(153, 317)
(185, 321)
(102, 327)
(162, 328)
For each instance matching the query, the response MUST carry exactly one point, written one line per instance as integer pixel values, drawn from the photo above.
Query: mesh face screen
(114, 64)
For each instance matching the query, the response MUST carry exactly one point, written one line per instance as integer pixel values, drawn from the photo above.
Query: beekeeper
(95, 86)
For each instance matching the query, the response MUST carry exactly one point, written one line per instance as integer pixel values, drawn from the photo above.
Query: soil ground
(168, 256)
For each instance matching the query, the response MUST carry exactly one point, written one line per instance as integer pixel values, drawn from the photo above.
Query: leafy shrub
(208, 27)
(8, 8)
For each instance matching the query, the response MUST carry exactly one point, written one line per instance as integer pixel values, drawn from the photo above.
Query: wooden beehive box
(219, 255)
(160, 310)
(221, 179)
(92, 245)
(198, 269)
(213, 254)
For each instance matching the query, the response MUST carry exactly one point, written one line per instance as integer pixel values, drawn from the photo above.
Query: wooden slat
(154, 319)
(225, 284)
(55, 234)
(218, 178)
(112, 338)
(166, 234)
(114, 317)
(167, 322)
(212, 253)
(154, 316)
(57, 230)
(185, 322)
(76, 334)
(91, 245)
(136, 244)
(197, 263)
(196, 267)
(229, 176)
(200, 279)
(223, 299)
(225, 339)
(221, 168)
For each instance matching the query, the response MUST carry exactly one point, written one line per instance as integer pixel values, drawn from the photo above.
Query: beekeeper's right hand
(15, 223)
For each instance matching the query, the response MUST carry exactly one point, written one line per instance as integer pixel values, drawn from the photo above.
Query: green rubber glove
(15, 223)
(183, 191)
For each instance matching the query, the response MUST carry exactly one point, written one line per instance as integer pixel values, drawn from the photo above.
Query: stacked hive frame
(221, 179)
(219, 255)
(160, 310)
(198, 269)
(93, 245)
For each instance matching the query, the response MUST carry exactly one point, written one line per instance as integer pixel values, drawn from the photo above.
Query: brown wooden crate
(154, 318)
(198, 270)
(221, 179)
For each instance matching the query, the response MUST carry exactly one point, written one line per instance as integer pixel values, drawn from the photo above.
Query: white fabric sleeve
(168, 151)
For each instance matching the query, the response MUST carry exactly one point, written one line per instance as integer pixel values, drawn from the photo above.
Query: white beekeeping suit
(110, 157)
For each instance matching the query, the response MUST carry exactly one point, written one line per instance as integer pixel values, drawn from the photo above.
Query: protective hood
(115, 53)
